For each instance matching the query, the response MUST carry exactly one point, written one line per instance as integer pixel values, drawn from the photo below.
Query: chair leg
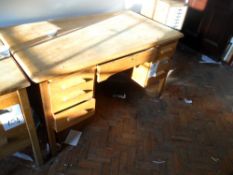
(30, 126)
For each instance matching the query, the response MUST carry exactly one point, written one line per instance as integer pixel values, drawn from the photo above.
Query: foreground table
(66, 57)
(17, 129)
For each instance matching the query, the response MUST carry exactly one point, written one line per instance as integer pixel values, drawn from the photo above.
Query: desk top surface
(11, 78)
(82, 42)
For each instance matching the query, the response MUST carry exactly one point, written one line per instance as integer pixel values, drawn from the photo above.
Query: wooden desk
(86, 48)
(13, 93)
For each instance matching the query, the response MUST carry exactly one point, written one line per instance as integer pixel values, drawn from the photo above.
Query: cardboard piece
(73, 138)
(11, 117)
(4, 52)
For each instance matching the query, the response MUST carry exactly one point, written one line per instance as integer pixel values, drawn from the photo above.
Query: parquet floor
(141, 135)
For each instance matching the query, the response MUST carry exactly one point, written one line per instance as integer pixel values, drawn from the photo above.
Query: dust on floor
(141, 135)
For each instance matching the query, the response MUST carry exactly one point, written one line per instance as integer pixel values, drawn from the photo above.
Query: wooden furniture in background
(198, 4)
(168, 12)
(148, 8)
(13, 92)
(65, 65)
(208, 26)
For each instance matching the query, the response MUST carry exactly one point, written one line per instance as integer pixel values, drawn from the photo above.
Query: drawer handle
(166, 50)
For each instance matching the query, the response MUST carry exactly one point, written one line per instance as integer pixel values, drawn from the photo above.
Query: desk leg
(3, 138)
(48, 116)
(153, 85)
(30, 125)
(156, 88)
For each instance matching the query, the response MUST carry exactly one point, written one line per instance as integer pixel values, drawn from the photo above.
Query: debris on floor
(73, 138)
(23, 156)
(52, 33)
(4, 52)
(181, 138)
(215, 159)
(159, 161)
(68, 165)
(155, 100)
(186, 136)
(121, 96)
(207, 60)
(188, 101)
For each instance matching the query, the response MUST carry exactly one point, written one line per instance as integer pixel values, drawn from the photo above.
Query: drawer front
(167, 50)
(74, 115)
(140, 73)
(106, 70)
(70, 90)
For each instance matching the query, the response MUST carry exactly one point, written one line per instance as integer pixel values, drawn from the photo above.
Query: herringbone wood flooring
(141, 135)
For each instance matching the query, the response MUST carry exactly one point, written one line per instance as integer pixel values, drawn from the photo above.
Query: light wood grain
(104, 71)
(61, 101)
(74, 115)
(156, 84)
(8, 100)
(26, 35)
(25, 106)
(11, 77)
(23, 135)
(167, 50)
(161, 63)
(46, 102)
(164, 65)
(141, 73)
(66, 91)
(67, 100)
(108, 39)
(16, 143)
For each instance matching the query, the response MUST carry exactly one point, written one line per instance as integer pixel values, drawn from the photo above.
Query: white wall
(23, 11)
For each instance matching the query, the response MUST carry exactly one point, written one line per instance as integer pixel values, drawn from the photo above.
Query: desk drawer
(70, 90)
(166, 50)
(104, 71)
(142, 73)
(74, 115)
